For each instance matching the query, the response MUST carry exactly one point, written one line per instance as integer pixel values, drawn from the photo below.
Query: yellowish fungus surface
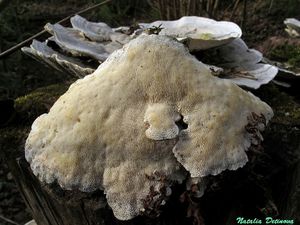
(119, 130)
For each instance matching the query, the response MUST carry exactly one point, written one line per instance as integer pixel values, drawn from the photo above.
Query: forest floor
(12, 206)
(263, 32)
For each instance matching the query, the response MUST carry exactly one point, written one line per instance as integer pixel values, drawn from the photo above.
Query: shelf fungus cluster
(82, 48)
(150, 116)
(292, 27)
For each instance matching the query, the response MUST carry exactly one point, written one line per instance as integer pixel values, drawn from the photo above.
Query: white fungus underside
(95, 134)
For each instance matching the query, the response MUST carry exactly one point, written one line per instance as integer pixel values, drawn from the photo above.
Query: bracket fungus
(293, 27)
(150, 116)
(243, 66)
(93, 42)
(60, 62)
(199, 32)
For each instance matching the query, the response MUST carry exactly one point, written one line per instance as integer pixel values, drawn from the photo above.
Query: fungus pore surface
(119, 130)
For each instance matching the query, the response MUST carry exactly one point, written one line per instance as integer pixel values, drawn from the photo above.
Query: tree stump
(269, 185)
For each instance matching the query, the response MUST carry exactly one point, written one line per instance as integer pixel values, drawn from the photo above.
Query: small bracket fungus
(293, 27)
(63, 63)
(150, 116)
(241, 65)
(161, 119)
(94, 31)
(99, 32)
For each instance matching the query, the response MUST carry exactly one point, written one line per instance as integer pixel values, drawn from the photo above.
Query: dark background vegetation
(261, 21)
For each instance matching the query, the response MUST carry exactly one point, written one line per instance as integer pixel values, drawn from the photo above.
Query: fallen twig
(270, 7)
(8, 220)
(236, 4)
(244, 19)
(23, 43)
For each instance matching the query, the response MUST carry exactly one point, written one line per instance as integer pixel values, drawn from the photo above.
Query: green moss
(286, 110)
(28, 107)
(38, 102)
(286, 53)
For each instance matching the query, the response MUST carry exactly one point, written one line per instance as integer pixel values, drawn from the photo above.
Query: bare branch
(236, 4)
(23, 43)
(243, 24)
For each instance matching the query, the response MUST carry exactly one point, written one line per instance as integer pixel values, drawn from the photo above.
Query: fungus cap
(63, 63)
(95, 137)
(199, 32)
(235, 61)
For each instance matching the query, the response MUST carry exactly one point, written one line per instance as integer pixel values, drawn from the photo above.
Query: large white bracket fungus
(199, 32)
(115, 129)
